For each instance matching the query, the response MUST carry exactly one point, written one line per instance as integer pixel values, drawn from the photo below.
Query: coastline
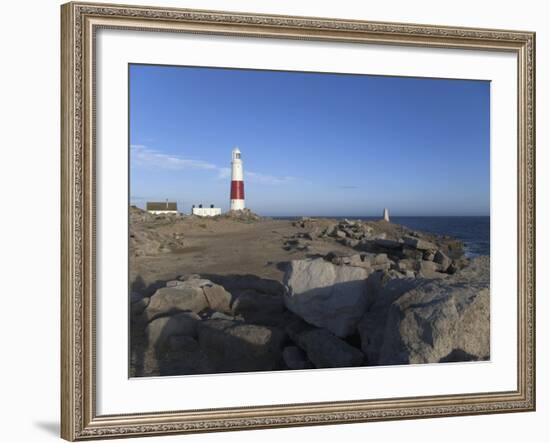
(299, 294)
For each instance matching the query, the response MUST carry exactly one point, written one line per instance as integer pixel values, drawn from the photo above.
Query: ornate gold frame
(79, 420)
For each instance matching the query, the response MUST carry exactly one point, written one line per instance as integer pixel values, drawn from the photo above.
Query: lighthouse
(237, 182)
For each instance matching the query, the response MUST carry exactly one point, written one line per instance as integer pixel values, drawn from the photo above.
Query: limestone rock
(428, 269)
(429, 321)
(138, 303)
(325, 350)
(160, 329)
(193, 294)
(183, 355)
(295, 358)
(406, 264)
(236, 346)
(387, 244)
(326, 295)
(382, 293)
(217, 298)
(167, 301)
(443, 261)
(257, 307)
(419, 243)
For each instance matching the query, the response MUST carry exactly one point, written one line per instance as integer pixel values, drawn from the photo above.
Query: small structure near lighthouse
(166, 207)
(205, 212)
(237, 181)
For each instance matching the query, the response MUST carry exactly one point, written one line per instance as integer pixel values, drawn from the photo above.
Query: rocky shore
(239, 293)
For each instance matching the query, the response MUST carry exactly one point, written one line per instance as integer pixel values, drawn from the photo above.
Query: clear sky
(312, 144)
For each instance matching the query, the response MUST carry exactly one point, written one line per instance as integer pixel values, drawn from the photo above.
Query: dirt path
(226, 247)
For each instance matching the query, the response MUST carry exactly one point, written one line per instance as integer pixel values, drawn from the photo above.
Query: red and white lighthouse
(237, 181)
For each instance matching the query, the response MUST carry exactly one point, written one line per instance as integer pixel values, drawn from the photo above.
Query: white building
(162, 207)
(206, 212)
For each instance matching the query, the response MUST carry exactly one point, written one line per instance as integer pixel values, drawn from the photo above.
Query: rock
(325, 350)
(193, 294)
(383, 291)
(218, 298)
(412, 253)
(340, 234)
(220, 316)
(375, 262)
(387, 244)
(295, 358)
(160, 329)
(380, 259)
(138, 303)
(257, 307)
(332, 228)
(428, 269)
(344, 259)
(244, 215)
(166, 301)
(393, 273)
(428, 255)
(419, 243)
(350, 242)
(188, 277)
(443, 261)
(173, 283)
(182, 343)
(432, 321)
(183, 355)
(326, 295)
(235, 346)
(236, 283)
(135, 297)
(406, 264)
(296, 243)
(295, 327)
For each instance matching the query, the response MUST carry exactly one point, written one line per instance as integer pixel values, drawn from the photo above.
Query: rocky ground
(239, 293)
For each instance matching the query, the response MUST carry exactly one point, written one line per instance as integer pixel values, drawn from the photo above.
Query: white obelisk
(237, 181)
(386, 215)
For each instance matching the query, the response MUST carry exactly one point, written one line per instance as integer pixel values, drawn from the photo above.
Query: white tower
(237, 181)
(386, 215)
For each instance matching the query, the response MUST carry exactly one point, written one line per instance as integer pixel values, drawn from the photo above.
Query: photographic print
(299, 220)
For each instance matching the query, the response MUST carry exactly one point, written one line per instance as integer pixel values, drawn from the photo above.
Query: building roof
(162, 206)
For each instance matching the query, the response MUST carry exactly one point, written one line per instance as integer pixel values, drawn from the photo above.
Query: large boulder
(295, 358)
(217, 298)
(326, 295)
(161, 329)
(167, 301)
(194, 294)
(419, 243)
(430, 321)
(383, 291)
(183, 355)
(325, 350)
(258, 307)
(233, 346)
(444, 262)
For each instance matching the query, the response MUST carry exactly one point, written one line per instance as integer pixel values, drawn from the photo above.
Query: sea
(474, 231)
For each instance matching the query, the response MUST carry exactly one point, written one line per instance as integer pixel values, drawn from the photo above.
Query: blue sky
(312, 144)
